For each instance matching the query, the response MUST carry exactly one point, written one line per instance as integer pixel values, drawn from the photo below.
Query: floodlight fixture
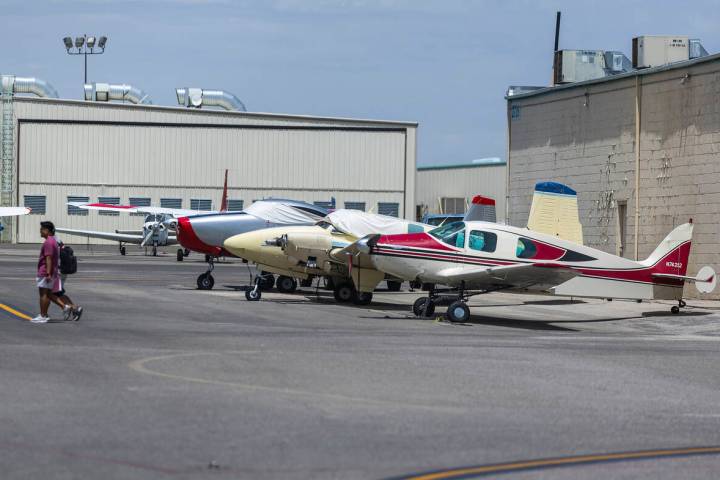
(85, 46)
(90, 42)
(68, 43)
(101, 42)
(79, 41)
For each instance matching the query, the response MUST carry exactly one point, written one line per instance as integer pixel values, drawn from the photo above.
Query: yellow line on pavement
(469, 472)
(14, 312)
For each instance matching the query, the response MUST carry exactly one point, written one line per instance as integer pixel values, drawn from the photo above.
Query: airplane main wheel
(122, 251)
(253, 295)
(180, 255)
(394, 286)
(267, 281)
(419, 307)
(205, 281)
(675, 309)
(154, 251)
(458, 312)
(344, 292)
(363, 298)
(286, 284)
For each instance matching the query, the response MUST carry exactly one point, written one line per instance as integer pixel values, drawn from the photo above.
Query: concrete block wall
(585, 137)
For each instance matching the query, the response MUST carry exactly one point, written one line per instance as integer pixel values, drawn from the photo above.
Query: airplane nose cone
(247, 245)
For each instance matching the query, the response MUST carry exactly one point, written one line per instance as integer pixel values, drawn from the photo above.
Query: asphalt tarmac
(160, 380)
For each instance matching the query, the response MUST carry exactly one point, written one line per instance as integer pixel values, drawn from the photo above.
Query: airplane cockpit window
(452, 234)
(482, 241)
(525, 248)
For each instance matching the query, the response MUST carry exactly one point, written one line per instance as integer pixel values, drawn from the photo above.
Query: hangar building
(449, 188)
(642, 149)
(66, 150)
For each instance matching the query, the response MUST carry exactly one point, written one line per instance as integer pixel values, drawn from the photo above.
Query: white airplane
(481, 257)
(12, 212)
(159, 226)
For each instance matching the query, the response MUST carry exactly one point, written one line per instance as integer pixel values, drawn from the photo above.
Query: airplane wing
(13, 211)
(175, 212)
(117, 237)
(510, 276)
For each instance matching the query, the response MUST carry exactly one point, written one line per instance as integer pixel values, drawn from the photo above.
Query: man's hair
(49, 225)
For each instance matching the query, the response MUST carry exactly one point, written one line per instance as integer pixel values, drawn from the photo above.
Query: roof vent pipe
(104, 92)
(38, 87)
(198, 98)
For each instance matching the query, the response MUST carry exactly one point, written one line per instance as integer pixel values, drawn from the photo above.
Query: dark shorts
(60, 293)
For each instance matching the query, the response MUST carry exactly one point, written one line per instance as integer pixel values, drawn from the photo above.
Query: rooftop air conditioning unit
(657, 50)
(580, 65)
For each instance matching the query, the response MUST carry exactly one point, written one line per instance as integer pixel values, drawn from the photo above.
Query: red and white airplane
(483, 257)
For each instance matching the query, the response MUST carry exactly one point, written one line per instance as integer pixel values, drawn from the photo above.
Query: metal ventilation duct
(198, 98)
(41, 88)
(104, 92)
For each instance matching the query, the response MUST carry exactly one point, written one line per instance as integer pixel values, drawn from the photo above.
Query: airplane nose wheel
(205, 281)
(424, 307)
(675, 309)
(458, 312)
(180, 255)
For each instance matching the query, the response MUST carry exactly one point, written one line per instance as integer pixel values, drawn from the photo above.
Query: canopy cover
(281, 213)
(359, 224)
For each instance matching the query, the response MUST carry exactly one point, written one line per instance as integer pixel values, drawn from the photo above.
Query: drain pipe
(198, 98)
(104, 92)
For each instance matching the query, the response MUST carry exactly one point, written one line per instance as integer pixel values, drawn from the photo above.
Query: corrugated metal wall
(77, 149)
(435, 183)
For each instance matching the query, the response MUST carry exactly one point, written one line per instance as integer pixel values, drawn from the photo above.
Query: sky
(444, 64)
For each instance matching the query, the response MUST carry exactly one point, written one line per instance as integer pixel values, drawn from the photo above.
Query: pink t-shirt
(50, 249)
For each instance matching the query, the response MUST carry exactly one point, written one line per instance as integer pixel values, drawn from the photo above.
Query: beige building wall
(434, 183)
(69, 148)
(584, 135)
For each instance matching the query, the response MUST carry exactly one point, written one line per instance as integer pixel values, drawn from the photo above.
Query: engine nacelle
(305, 246)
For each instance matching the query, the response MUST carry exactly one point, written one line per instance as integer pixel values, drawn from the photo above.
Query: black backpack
(68, 261)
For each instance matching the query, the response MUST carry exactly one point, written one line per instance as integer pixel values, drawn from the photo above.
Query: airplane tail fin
(671, 256)
(223, 201)
(482, 209)
(554, 211)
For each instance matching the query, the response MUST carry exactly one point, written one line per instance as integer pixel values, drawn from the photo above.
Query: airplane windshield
(452, 234)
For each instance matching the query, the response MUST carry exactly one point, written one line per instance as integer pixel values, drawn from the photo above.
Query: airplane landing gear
(393, 286)
(180, 255)
(266, 280)
(205, 281)
(122, 250)
(363, 298)
(424, 307)
(344, 292)
(675, 309)
(254, 294)
(154, 250)
(458, 312)
(286, 284)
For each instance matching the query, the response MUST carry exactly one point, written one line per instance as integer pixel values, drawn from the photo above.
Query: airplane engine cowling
(301, 246)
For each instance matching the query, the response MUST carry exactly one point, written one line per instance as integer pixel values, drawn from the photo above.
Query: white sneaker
(40, 319)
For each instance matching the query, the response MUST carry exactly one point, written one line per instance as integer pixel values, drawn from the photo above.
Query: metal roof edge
(173, 109)
(452, 166)
(631, 74)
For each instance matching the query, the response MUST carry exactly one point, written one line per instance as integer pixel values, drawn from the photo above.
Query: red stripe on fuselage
(187, 237)
(414, 240)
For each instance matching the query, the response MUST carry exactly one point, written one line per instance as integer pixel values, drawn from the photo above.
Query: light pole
(85, 46)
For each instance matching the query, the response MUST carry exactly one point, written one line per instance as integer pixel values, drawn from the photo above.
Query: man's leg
(44, 301)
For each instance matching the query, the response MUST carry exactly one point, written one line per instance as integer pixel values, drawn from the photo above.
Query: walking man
(68, 266)
(48, 273)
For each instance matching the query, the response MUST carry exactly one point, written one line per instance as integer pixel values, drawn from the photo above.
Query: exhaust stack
(104, 92)
(198, 98)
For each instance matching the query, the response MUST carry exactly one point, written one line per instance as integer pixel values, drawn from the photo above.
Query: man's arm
(48, 266)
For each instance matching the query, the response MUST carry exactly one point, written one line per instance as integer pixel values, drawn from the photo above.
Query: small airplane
(12, 212)
(158, 228)
(206, 233)
(479, 257)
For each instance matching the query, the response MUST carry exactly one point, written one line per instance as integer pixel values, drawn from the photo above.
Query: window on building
(235, 205)
(171, 202)
(452, 205)
(200, 204)
(525, 248)
(323, 204)
(139, 202)
(482, 241)
(355, 206)
(36, 203)
(452, 234)
(75, 210)
(109, 201)
(388, 208)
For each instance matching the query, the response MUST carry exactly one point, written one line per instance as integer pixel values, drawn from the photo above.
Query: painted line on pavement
(482, 470)
(15, 312)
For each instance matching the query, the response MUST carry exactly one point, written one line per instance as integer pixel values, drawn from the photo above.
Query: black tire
(253, 295)
(419, 307)
(363, 298)
(344, 292)
(180, 255)
(458, 312)
(267, 281)
(286, 284)
(393, 286)
(122, 251)
(205, 281)
(675, 309)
